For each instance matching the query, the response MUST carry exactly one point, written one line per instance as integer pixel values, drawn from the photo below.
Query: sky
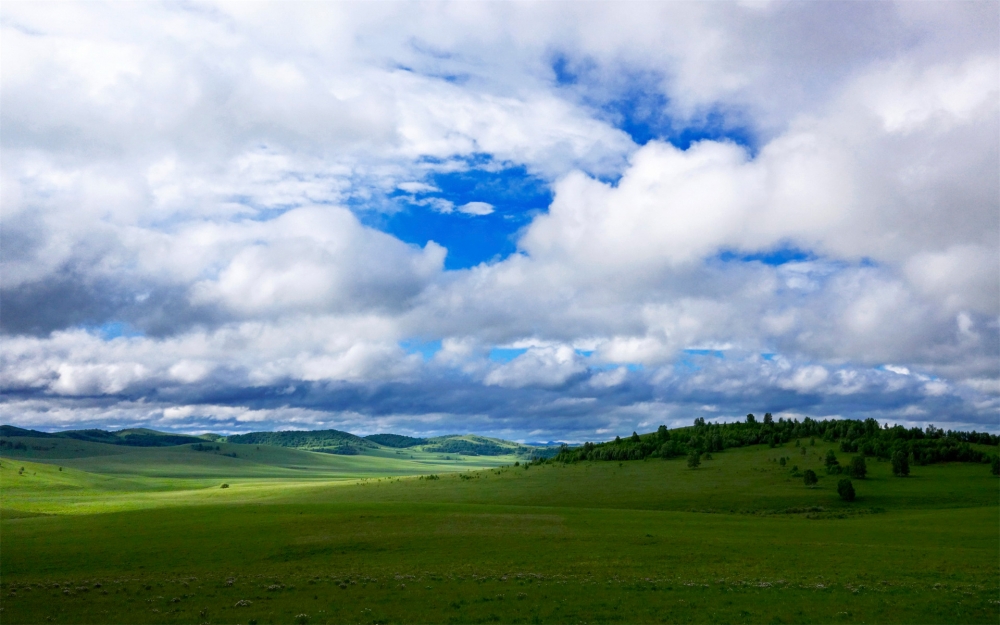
(541, 221)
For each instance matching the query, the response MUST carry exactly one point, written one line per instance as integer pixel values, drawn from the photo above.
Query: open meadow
(146, 535)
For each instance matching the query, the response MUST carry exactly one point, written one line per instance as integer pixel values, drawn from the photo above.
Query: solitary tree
(832, 465)
(768, 419)
(635, 438)
(810, 477)
(662, 433)
(858, 468)
(694, 459)
(845, 489)
(751, 419)
(781, 461)
(900, 463)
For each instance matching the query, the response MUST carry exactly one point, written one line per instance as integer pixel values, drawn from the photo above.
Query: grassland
(296, 539)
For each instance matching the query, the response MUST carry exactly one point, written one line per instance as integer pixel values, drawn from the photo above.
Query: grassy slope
(113, 478)
(250, 461)
(594, 542)
(738, 480)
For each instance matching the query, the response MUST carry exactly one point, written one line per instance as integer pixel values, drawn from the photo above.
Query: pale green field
(61, 479)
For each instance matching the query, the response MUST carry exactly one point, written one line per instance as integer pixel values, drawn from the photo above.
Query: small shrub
(832, 464)
(995, 465)
(694, 460)
(224, 486)
(858, 469)
(900, 463)
(845, 489)
(781, 461)
(809, 477)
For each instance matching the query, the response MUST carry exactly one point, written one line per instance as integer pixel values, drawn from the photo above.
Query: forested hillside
(397, 441)
(864, 437)
(303, 440)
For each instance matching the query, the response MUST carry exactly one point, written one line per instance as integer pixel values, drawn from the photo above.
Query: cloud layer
(784, 207)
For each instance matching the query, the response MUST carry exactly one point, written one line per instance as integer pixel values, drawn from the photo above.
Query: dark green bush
(900, 463)
(694, 460)
(858, 469)
(845, 489)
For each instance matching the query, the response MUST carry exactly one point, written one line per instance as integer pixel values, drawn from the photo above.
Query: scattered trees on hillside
(866, 438)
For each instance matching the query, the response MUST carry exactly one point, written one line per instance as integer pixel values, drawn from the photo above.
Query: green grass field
(147, 536)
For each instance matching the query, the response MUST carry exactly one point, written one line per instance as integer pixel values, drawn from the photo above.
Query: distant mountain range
(328, 441)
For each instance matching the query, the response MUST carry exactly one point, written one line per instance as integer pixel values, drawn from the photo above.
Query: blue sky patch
(514, 195)
(505, 354)
(706, 352)
(636, 104)
(774, 257)
(690, 357)
(427, 349)
(115, 329)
